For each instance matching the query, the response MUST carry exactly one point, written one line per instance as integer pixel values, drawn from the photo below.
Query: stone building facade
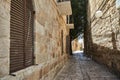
(50, 31)
(102, 35)
(76, 46)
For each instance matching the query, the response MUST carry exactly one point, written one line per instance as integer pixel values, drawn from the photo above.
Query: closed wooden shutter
(21, 35)
(29, 33)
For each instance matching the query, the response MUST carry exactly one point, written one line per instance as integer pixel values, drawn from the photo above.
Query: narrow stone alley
(38, 37)
(80, 67)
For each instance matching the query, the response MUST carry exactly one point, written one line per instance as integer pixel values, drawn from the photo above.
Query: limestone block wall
(49, 59)
(4, 36)
(76, 46)
(104, 34)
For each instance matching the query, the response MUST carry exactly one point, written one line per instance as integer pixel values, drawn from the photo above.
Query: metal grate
(21, 34)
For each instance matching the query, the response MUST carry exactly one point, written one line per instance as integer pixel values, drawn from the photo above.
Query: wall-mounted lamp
(98, 14)
(118, 4)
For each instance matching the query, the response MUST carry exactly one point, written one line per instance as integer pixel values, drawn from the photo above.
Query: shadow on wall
(102, 54)
(87, 32)
(105, 55)
(114, 40)
(119, 17)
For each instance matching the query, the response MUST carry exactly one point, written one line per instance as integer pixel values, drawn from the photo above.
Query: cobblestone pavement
(80, 67)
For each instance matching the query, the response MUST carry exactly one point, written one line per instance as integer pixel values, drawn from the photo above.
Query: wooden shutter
(28, 33)
(21, 35)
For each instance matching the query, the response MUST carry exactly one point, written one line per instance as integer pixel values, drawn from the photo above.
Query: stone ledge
(36, 71)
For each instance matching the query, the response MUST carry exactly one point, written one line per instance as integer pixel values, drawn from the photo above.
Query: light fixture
(118, 4)
(98, 14)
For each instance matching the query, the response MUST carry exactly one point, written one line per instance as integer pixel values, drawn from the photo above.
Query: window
(21, 35)
(69, 19)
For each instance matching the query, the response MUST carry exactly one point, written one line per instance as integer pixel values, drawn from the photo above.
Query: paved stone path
(80, 67)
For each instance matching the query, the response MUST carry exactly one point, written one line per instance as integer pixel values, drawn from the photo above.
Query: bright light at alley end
(98, 14)
(118, 4)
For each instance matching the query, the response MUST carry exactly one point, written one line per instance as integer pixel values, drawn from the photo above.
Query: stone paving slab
(80, 67)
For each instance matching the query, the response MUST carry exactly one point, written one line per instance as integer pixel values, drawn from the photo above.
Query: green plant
(79, 9)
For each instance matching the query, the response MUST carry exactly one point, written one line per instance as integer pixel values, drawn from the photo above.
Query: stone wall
(4, 36)
(76, 46)
(102, 36)
(49, 58)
